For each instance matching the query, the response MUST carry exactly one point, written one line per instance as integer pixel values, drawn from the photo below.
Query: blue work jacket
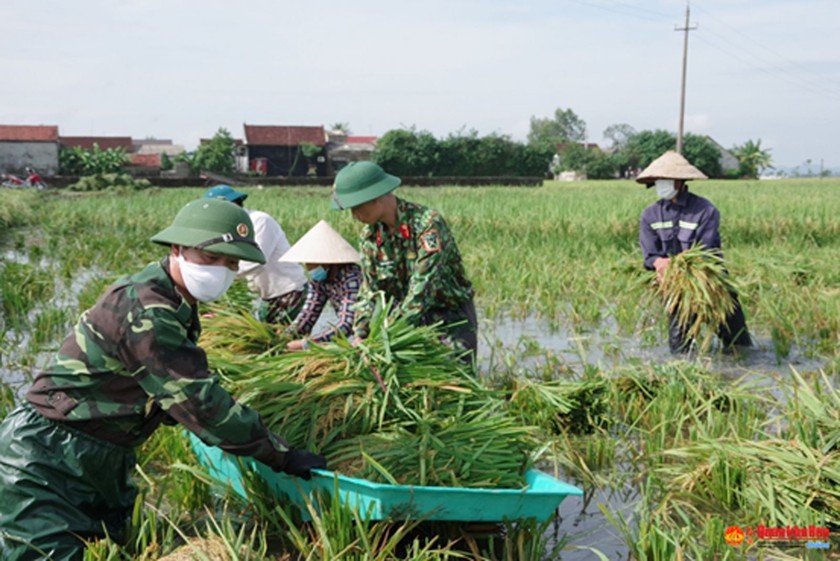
(670, 227)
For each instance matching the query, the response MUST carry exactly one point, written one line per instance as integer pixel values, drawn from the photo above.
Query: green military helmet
(215, 226)
(360, 182)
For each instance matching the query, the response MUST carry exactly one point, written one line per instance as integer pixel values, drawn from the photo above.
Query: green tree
(165, 162)
(407, 152)
(77, 161)
(646, 146)
(566, 126)
(619, 135)
(309, 151)
(752, 158)
(703, 154)
(460, 155)
(216, 155)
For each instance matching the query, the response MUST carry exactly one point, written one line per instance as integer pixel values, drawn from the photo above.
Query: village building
(35, 146)
(286, 151)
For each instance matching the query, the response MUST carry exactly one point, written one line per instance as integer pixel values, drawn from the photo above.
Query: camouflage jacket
(418, 265)
(132, 362)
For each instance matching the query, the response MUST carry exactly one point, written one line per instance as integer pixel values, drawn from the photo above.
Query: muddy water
(605, 348)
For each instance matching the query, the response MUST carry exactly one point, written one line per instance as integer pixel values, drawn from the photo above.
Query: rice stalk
(699, 293)
(400, 398)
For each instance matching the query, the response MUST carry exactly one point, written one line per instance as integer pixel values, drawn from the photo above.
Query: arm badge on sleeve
(430, 240)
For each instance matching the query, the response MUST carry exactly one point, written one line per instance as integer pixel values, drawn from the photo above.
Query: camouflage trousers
(284, 309)
(58, 487)
(460, 327)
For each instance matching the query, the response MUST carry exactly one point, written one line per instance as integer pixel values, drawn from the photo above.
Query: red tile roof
(28, 133)
(104, 142)
(145, 160)
(284, 136)
(361, 140)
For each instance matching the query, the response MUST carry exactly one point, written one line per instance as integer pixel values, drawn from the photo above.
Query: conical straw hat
(669, 165)
(321, 244)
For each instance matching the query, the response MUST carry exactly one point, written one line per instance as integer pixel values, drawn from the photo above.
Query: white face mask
(205, 282)
(665, 189)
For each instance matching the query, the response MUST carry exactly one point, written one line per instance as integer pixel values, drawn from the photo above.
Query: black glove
(300, 462)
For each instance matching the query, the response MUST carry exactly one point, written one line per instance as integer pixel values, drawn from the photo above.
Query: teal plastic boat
(539, 499)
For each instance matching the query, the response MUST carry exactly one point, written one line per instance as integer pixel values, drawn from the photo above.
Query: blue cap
(225, 192)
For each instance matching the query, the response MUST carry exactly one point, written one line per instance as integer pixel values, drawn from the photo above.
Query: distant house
(29, 145)
(147, 161)
(277, 150)
(728, 161)
(157, 146)
(343, 149)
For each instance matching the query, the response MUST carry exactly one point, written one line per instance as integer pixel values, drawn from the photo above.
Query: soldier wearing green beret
(409, 253)
(131, 363)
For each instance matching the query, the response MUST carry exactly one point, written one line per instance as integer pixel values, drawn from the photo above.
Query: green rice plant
(774, 481)
(520, 540)
(18, 209)
(51, 323)
(164, 462)
(7, 399)
(223, 540)
(647, 538)
(339, 532)
(812, 412)
(698, 292)
(586, 458)
(502, 232)
(116, 182)
(679, 402)
(93, 290)
(23, 286)
(150, 534)
(578, 407)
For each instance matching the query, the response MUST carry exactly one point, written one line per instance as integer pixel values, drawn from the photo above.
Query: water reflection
(534, 338)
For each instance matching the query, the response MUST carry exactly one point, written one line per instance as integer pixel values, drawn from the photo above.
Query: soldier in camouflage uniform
(409, 253)
(130, 364)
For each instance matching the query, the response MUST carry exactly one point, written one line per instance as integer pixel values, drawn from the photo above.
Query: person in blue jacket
(675, 222)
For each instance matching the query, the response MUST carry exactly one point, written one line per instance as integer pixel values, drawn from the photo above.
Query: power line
(815, 82)
(775, 72)
(623, 9)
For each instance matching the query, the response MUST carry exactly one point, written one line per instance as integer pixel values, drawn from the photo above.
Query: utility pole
(685, 29)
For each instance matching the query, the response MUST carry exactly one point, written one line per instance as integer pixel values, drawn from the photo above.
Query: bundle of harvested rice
(400, 406)
(236, 331)
(699, 292)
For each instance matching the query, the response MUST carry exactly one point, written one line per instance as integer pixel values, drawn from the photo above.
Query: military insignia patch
(430, 240)
(242, 230)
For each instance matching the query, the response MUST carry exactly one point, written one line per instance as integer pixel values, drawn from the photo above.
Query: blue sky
(180, 69)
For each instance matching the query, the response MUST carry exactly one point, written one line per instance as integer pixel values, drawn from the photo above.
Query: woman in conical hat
(335, 277)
